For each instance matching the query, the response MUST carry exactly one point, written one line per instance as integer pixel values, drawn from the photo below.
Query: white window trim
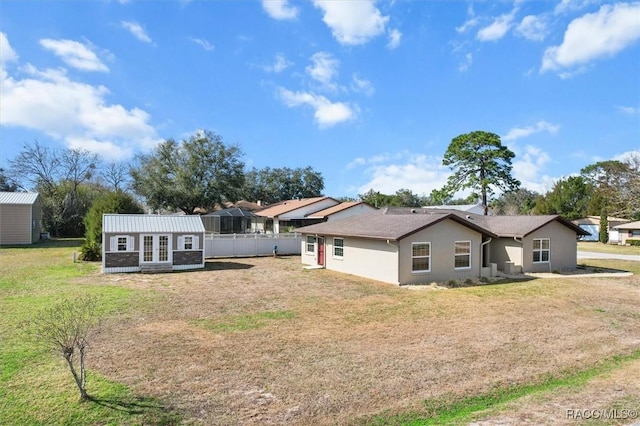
(194, 239)
(306, 244)
(422, 271)
(540, 250)
(335, 256)
(454, 256)
(113, 243)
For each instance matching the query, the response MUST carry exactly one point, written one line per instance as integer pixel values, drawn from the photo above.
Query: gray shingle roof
(397, 223)
(140, 223)
(18, 197)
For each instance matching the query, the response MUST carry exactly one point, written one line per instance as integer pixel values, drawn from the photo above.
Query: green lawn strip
(36, 386)
(607, 248)
(454, 409)
(243, 322)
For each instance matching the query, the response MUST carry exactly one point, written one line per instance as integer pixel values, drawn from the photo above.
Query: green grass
(36, 386)
(243, 322)
(453, 409)
(607, 248)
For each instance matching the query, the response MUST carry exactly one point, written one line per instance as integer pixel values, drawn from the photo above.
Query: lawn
(262, 341)
(607, 248)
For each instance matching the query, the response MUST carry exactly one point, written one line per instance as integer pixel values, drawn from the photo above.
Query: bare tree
(115, 174)
(67, 328)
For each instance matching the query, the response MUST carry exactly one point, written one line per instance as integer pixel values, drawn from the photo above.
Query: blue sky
(369, 93)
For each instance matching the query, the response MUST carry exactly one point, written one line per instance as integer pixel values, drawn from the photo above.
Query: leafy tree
(616, 186)
(278, 184)
(67, 327)
(6, 183)
(112, 202)
(198, 172)
(63, 178)
(519, 202)
(604, 227)
(402, 198)
(480, 162)
(569, 198)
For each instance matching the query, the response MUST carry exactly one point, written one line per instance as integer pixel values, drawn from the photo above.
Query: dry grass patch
(262, 341)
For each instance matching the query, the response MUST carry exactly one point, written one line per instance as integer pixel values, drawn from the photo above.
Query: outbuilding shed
(20, 217)
(151, 243)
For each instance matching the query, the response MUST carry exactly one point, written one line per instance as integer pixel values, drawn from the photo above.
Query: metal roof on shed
(18, 197)
(142, 223)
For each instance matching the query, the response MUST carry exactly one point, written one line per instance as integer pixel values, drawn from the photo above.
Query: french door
(156, 248)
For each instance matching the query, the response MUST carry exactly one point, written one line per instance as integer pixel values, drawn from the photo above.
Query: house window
(541, 250)
(634, 233)
(420, 257)
(462, 254)
(188, 242)
(338, 247)
(122, 243)
(310, 247)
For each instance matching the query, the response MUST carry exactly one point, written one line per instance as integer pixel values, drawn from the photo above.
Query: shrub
(634, 242)
(90, 251)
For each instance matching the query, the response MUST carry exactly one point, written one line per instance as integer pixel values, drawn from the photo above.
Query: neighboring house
(467, 208)
(151, 243)
(20, 217)
(416, 246)
(230, 221)
(285, 215)
(591, 224)
(342, 210)
(629, 231)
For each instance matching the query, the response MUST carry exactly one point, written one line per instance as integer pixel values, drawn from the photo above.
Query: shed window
(338, 247)
(121, 243)
(188, 242)
(541, 250)
(462, 254)
(310, 246)
(421, 257)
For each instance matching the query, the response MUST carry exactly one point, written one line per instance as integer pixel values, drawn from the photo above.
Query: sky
(368, 93)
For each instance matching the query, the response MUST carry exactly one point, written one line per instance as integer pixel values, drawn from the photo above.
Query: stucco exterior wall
(367, 258)
(563, 249)
(442, 237)
(16, 224)
(506, 250)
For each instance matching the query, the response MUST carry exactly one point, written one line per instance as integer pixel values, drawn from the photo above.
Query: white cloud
(532, 27)
(280, 64)
(74, 54)
(203, 43)
(327, 113)
(595, 35)
(73, 112)
(498, 28)
(7, 54)
(566, 6)
(523, 132)
(471, 21)
(361, 85)
(388, 173)
(280, 9)
(324, 69)
(137, 30)
(528, 164)
(466, 63)
(394, 39)
(352, 22)
(629, 110)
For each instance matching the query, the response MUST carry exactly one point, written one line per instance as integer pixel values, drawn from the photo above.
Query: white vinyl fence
(247, 245)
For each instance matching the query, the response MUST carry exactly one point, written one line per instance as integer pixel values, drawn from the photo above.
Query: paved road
(594, 255)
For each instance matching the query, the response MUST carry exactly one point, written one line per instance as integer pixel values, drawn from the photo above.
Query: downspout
(482, 255)
(521, 254)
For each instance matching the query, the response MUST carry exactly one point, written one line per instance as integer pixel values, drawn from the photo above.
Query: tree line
(198, 174)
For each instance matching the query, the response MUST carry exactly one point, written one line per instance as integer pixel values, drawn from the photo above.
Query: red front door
(321, 251)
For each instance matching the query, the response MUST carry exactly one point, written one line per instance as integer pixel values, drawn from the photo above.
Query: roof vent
(469, 217)
(413, 210)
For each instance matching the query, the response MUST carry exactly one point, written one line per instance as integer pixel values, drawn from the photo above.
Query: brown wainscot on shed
(151, 243)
